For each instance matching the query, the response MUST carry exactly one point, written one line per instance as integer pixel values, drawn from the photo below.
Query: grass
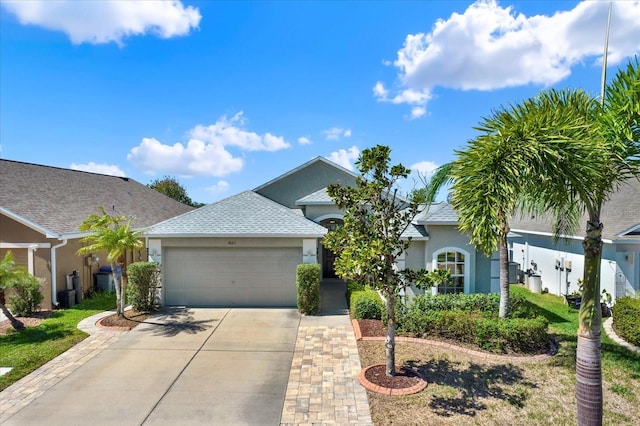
(27, 350)
(466, 390)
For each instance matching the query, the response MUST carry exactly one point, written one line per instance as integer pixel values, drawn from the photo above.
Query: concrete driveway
(185, 366)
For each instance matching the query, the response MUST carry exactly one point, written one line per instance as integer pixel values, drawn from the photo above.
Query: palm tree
(114, 235)
(9, 274)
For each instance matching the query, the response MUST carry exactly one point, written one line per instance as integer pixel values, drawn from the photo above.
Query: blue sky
(225, 96)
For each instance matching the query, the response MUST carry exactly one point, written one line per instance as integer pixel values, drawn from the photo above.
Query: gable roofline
(28, 223)
(318, 159)
(632, 230)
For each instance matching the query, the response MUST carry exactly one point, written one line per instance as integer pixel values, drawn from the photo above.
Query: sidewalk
(323, 384)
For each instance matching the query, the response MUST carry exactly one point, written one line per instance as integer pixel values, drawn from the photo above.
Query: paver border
(362, 378)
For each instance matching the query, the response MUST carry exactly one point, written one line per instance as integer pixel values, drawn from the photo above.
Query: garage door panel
(231, 277)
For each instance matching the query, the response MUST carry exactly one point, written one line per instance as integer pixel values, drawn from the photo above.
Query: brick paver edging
(449, 346)
(389, 391)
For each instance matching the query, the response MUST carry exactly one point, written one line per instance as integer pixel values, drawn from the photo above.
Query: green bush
(143, 284)
(626, 313)
(308, 285)
(366, 305)
(27, 296)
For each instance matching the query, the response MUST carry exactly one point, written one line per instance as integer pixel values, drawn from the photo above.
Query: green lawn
(27, 350)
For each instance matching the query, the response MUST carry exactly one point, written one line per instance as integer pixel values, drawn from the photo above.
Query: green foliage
(143, 285)
(170, 187)
(308, 285)
(27, 295)
(33, 347)
(366, 305)
(626, 313)
(488, 303)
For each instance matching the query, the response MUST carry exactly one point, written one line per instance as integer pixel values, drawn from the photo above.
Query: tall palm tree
(114, 235)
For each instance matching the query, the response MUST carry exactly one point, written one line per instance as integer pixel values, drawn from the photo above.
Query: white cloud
(345, 157)
(107, 21)
(490, 47)
(104, 169)
(336, 133)
(303, 140)
(424, 168)
(417, 112)
(219, 188)
(206, 153)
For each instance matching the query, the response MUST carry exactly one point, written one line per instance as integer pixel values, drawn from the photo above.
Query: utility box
(535, 283)
(67, 298)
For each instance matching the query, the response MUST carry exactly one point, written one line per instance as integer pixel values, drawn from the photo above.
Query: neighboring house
(560, 265)
(243, 250)
(41, 208)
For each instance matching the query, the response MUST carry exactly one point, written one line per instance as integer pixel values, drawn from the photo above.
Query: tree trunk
(504, 276)
(390, 342)
(16, 324)
(116, 282)
(588, 354)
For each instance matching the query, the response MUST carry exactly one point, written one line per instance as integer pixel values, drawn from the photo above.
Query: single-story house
(41, 208)
(243, 250)
(560, 265)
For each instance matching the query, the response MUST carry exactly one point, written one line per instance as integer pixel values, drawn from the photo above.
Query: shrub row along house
(243, 250)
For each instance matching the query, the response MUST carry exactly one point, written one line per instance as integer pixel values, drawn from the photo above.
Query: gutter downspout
(54, 280)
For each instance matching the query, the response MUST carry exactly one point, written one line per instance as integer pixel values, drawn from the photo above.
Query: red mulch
(404, 377)
(372, 328)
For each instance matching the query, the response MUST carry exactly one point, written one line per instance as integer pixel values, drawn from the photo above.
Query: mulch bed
(130, 320)
(32, 321)
(404, 379)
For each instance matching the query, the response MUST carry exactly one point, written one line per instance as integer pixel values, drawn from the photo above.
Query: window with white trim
(454, 261)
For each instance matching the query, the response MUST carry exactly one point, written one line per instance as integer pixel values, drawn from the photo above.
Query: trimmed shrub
(366, 305)
(26, 297)
(626, 312)
(143, 284)
(308, 285)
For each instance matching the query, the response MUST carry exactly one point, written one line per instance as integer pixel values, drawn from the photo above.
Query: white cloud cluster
(303, 140)
(345, 157)
(206, 153)
(104, 169)
(424, 168)
(220, 187)
(336, 133)
(491, 47)
(107, 21)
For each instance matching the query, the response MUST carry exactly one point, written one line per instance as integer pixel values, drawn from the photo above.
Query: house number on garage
(231, 243)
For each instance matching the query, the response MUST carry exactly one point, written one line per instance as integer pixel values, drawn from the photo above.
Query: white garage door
(231, 276)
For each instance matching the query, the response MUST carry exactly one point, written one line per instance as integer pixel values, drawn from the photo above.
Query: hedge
(489, 304)
(626, 313)
(143, 284)
(364, 302)
(308, 285)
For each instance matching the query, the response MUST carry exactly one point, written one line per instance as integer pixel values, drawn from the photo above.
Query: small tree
(114, 235)
(170, 187)
(369, 242)
(10, 273)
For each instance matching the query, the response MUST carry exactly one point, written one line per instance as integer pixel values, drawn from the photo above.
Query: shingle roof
(318, 197)
(55, 200)
(619, 214)
(247, 214)
(416, 232)
(437, 214)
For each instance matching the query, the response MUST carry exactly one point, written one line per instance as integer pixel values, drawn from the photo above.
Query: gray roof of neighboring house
(319, 197)
(247, 214)
(416, 232)
(437, 214)
(55, 201)
(620, 214)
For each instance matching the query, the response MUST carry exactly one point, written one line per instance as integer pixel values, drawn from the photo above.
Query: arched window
(457, 262)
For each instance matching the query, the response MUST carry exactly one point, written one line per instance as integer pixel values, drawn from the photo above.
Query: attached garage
(220, 276)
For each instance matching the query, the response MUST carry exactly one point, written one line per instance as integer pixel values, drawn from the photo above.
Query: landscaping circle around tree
(374, 378)
(130, 320)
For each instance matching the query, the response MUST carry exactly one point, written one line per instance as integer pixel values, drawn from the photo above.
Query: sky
(226, 95)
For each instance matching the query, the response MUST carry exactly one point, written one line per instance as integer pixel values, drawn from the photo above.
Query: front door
(328, 257)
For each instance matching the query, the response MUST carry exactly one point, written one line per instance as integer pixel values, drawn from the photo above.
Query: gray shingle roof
(437, 214)
(619, 214)
(247, 214)
(416, 232)
(318, 197)
(56, 200)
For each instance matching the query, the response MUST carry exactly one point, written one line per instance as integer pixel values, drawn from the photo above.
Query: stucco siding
(319, 212)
